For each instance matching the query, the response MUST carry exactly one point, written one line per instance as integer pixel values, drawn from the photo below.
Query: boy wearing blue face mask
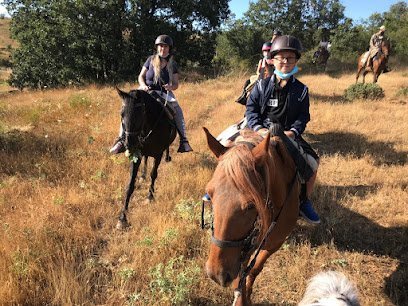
(284, 99)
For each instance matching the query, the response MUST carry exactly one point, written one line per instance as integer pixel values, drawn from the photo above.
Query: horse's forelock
(239, 166)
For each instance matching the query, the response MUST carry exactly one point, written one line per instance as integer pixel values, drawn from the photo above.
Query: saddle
(304, 169)
(168, 109)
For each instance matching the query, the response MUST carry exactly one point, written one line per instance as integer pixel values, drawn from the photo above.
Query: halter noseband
(248, 243)
(137, 133)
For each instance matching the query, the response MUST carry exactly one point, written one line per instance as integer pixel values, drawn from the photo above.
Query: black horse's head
(133, 118)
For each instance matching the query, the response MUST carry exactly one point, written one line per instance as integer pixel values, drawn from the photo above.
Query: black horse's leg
(134, 167)
(153, 176)
(144, 169)
(168, 157)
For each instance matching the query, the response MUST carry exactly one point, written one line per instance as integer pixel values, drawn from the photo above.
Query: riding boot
(181, 130)
(242, 98)
(119, 146)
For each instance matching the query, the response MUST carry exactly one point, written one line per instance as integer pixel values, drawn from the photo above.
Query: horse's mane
(146, 98)
(239, 166)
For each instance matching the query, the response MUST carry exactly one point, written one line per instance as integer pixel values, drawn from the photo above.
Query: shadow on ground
(342, 143)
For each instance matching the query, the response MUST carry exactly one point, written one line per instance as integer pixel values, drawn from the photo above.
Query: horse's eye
(250, 205)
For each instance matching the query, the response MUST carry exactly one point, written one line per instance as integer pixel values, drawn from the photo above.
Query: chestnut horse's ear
(260, 152)
(215, 146)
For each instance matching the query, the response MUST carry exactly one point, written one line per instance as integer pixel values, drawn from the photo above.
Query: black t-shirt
(276, 106)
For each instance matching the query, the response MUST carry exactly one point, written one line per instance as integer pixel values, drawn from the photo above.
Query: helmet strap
(165, 58)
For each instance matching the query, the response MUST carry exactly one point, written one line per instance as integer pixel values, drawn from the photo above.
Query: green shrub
(173, 282)
(186, 209)
(368, 91)
(402, 92)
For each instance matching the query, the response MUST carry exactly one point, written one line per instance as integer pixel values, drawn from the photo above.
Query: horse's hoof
(122, 225)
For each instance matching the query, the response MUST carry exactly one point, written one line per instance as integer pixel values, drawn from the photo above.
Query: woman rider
(160, 73)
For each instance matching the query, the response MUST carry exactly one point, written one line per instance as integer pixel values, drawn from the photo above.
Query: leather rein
(141, 138)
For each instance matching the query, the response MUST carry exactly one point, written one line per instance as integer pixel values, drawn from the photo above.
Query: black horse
(148, 132)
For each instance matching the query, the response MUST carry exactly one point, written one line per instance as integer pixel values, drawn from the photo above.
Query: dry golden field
(61, 192)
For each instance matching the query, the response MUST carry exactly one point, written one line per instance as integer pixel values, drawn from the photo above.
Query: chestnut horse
(379, 63)
(254, 195)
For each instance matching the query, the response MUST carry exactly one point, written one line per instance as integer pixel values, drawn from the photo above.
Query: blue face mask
(285, 76)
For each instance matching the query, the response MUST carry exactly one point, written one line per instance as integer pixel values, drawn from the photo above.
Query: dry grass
(60, 194)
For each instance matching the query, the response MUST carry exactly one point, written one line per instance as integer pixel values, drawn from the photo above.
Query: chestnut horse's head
(238, 192)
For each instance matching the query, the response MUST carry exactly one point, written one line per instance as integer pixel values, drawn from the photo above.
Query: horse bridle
(248, 243)
(140, 137)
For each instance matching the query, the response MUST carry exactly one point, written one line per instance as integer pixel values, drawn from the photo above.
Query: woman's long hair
(156, 67)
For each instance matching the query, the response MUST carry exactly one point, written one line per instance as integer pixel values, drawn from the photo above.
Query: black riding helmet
(277, 32)
(286, 42)
(165, 40)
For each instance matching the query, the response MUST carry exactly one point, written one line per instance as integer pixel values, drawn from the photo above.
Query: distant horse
(254, 195)
(379, 62)
(320, 57)
(148, 132)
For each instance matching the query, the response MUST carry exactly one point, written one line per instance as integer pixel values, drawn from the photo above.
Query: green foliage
(99, 175)
(300, 18)
(146, 241)
(240, 45)
(126, 273)
(58, 200)
(19, 264)
(368, 91)
(310, 21)
(169, 235)
(340, 262)
(186, 209)
(74, 42)
(239, 48)
(79, 101)
(172, 282)
(32, 115)
(396, 22)
(402, 92)
(349, 41)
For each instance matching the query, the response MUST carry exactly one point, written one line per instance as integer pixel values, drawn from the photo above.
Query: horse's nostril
(228, 278)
